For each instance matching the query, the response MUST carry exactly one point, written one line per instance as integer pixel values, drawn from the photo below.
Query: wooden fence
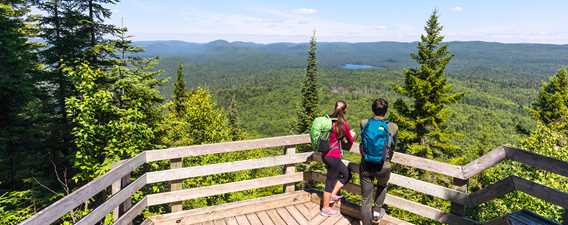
(120, 203)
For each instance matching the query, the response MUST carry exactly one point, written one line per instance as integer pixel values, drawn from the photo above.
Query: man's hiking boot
(377, 216)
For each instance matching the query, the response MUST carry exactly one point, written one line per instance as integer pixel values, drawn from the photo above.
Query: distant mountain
(470, 56)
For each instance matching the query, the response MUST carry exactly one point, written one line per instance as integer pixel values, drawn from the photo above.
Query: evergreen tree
(179, 90)
(310, 95)
(66, 41)
(423, 131)
(115, 119)
(237, 133)
(551, 106)
(18, 65)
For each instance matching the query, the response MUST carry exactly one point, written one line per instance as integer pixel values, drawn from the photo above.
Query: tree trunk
(92, 17)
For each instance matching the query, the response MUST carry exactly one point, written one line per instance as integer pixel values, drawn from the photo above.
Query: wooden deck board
(297, 212)
(264, 218)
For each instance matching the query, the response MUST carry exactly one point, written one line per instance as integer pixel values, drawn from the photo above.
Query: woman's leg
(330, 181)
(344, 174)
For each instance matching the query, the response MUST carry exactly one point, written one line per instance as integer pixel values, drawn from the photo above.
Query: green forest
(78, 95)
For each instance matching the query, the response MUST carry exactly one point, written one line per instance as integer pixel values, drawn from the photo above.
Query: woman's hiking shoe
(377, 216)
(328, 212)
(335, 198)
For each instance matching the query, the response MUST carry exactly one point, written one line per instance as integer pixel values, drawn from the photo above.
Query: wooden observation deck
(300, 206)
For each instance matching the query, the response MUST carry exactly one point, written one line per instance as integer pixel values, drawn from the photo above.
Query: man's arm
(362, 125)
(394, 134)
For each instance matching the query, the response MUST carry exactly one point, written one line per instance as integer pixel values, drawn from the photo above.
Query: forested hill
(475, 58)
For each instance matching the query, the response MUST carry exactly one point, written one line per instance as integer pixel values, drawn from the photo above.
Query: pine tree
(423, 131)
(310, 95)
(179, 90)
(551, 106)
(237, 132)
(18, 64)
(115, 119)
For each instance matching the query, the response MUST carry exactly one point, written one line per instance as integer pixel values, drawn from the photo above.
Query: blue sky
(509, 21)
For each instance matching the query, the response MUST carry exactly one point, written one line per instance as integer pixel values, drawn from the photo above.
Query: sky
(507, 21)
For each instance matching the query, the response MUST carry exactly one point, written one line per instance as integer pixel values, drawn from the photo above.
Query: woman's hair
(339, 113)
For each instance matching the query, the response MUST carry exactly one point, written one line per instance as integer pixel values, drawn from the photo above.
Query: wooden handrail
(198, 171)
(421, 163)
(514, 183)
(414, 184)
(61, 207)
(206, 149)
(58, 209)
(186, 194)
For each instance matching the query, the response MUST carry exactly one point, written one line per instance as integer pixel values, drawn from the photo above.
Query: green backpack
(320, 131)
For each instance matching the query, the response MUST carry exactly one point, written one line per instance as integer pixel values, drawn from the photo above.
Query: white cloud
(456, 9)
(305, 11)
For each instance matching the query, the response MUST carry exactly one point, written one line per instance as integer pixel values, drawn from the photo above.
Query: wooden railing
(121, 204)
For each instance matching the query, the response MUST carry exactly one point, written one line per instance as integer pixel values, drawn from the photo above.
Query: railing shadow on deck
(457, 195)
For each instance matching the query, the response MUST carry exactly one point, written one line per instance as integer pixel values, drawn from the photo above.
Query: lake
(357, 66)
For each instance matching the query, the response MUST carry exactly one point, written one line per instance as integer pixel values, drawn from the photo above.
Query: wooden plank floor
(307, 213)
(286, 209)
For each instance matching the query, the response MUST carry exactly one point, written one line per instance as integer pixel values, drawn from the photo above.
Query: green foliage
(15, 206)
(423, 131)
(201, 121)
(18, 65)
(179, 90)
(237, 132)
(543, 141)
(114, 119)
(310, 96)
(551, 106)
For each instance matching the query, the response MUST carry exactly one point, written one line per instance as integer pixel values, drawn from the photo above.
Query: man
(378, 137)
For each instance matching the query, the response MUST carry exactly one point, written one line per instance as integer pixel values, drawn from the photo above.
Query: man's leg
(367, 188)
(382, 186)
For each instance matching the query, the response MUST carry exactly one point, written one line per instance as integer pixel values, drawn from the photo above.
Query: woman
(337, 172)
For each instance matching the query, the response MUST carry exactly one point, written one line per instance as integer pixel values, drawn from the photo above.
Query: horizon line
(347, 42)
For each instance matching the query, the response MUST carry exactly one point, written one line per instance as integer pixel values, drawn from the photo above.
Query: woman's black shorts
(336, 170)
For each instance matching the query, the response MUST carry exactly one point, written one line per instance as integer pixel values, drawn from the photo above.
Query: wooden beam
(200, 215)
(484, 162)
(458, 196)
(176, 184)
(186, 194)
(421, 163)
(197, 171)
(58, 209)
(540, 191)
(115, 188)
(491, 192)
(196, 150)
(102, 210)
(426, 211)
(538, 161)
(458, 208)
(407, 182)
(134, 211)
(289, 169)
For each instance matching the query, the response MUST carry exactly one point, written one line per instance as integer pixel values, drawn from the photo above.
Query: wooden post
(115, 188)
(176, 185)
(289, 169)
(456, 208)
